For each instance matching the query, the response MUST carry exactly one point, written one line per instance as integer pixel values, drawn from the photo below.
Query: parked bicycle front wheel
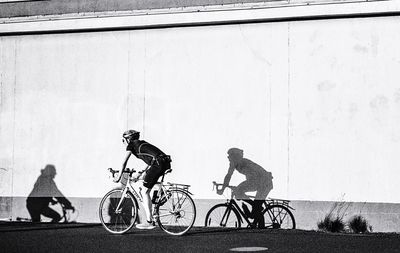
(177, 213)
(278, 216)
(118, 221)
(222, 215)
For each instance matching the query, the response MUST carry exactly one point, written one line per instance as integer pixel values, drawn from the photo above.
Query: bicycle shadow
(44, 193)
(213, 230)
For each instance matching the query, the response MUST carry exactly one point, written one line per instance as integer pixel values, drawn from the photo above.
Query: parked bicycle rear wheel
(117, 221)
(176, 213)
(278, 216)
(222, 215)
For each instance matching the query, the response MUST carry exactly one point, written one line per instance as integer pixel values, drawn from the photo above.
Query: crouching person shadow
(44, 193)
(257, 180)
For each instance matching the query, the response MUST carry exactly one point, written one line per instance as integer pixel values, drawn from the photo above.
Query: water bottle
(154, 199)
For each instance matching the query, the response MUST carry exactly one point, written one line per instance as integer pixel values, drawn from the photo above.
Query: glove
(70, 208)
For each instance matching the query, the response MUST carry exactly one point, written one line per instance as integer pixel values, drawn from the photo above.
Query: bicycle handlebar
(217, 185)
(63, 206)
(127, 170)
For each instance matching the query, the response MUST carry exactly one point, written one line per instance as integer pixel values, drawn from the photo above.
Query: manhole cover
(249, 249)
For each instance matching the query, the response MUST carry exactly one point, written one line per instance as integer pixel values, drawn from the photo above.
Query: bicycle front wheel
(278, 216)
(118, 220)
(222, 215)
(177, 213)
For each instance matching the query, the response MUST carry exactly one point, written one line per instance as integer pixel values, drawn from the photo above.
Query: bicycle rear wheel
(222, 215)
(278, 216)
(177, 213)
(121, 220)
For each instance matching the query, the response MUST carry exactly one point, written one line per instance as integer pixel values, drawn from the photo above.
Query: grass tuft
(359, 224)
(329, 224)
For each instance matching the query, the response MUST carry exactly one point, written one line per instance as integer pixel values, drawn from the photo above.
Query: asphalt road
(93, 238)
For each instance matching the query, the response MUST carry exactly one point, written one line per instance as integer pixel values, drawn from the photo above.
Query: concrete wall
(314, 102)
(382, 217)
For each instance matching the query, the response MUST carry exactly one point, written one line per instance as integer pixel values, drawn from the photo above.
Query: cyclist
(42, 195)
(159, 162)
(257, 179)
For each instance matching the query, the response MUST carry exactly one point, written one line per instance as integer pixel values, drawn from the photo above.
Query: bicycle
(69, 215)
(276, 213)
(174, 210)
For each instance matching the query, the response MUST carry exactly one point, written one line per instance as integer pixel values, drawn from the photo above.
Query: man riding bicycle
(43, 193)
(257, 179)
(159, 162)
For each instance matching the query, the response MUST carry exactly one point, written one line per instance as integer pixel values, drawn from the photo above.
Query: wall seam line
(289, 116)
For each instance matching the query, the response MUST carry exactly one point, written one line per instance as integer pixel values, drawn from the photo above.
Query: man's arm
(124, 163)
(56, 193)
(227, 178)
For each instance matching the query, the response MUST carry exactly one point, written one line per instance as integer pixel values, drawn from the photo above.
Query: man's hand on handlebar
(116, 175)
(70, 208)
(220, 188)
(141, 174)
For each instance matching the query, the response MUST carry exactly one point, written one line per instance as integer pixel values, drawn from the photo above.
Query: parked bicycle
(173, 210)
(276, 213)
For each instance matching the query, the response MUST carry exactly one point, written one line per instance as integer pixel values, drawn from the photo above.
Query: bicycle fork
(225, 217)
(118, 209)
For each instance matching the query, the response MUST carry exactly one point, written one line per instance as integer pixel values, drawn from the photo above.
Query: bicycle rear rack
(184, 187)
(283, 202)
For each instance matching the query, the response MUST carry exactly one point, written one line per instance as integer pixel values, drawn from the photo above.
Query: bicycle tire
(279, 217)
(216, 215)
(176, 213)
(118, 222)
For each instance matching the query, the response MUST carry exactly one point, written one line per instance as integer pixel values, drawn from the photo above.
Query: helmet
(49, 170)
(235, 152)
(131, 135)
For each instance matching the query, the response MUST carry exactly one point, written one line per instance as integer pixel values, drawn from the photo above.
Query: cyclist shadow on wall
(257, 180)
(44, 193)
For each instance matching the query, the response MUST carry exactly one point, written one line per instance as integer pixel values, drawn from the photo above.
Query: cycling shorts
(155, 172)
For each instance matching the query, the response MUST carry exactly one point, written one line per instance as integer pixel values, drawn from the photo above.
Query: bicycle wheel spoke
(281, 216)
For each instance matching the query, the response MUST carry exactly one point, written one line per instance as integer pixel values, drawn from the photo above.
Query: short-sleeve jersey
(144, 150)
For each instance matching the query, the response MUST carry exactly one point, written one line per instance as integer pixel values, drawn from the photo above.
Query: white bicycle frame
(129, 187)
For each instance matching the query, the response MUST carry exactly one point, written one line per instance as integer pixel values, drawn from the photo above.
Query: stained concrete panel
(344, 109)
